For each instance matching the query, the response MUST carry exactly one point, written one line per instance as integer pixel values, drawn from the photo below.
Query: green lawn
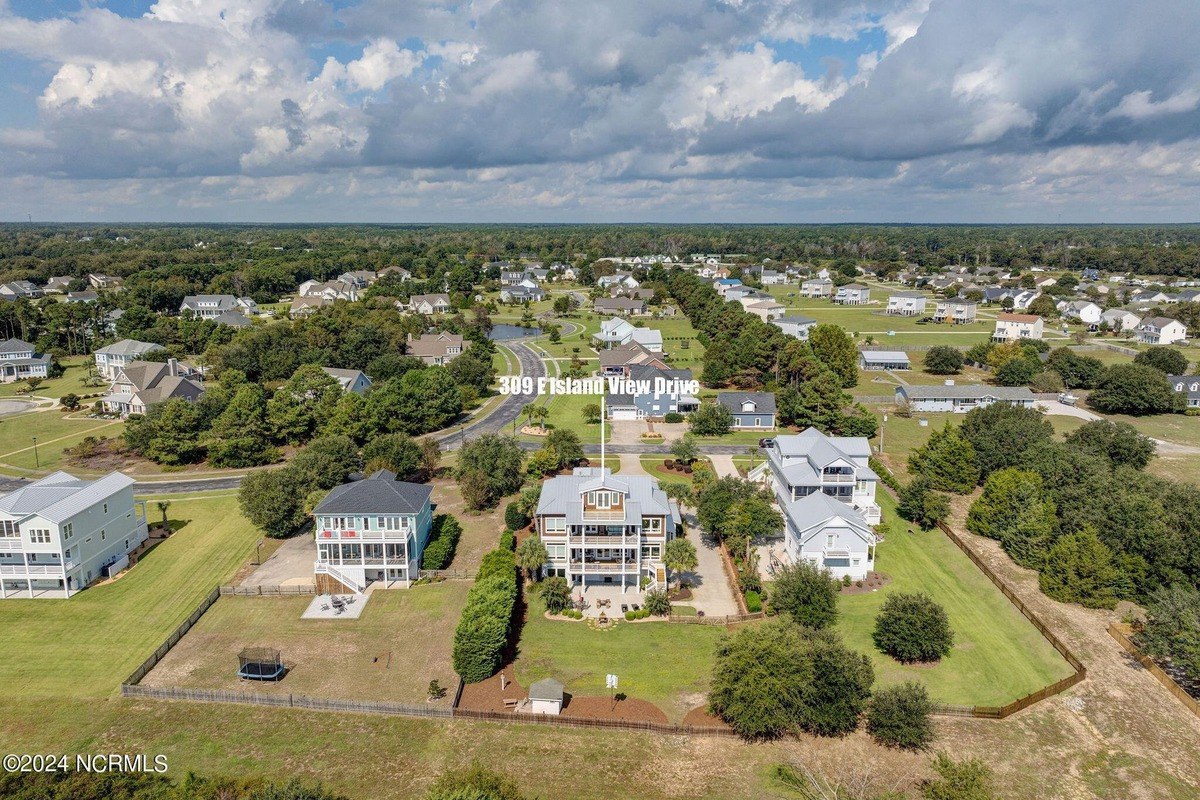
(70, 381)
(668, 665)
(998, 656)
(1178, 428)
(353, 659)
(55, 432)
(84, 646)
(566, 413)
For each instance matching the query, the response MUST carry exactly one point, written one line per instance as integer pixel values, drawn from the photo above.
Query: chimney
(173, 367)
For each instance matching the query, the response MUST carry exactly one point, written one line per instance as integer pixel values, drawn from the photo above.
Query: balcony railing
(603, 514)
(34, 569)
(10, 543)
(630, 540)
(361, 536)
(837, 477)
(604, 566)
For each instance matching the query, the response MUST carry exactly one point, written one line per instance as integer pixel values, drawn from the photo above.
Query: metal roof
(60, 495)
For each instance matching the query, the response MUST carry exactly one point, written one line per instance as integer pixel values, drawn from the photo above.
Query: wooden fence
(448, 574)
(582, 722)
(992, 712)
(1154, 669)
(164, 648)
(284, 701)
(268, 590)
(731, 575)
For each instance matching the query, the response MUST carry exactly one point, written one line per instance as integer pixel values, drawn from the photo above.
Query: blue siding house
(750, 410)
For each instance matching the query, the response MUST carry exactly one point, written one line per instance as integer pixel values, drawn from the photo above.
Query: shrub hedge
(442, 541)
(508, 541)
(514, 518)
(753, 602)
(486, 620)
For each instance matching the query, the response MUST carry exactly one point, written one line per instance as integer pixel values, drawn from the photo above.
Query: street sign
(610, 681)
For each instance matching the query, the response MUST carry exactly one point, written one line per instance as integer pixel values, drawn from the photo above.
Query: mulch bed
(604, 708)
(487, 695)
(875, 580)
(681, 594)
(700, 718)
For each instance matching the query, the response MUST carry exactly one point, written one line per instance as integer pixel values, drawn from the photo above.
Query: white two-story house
(955, 311)
(371, 530)
(1017, 327)
(61, 533)
(799, 465)
(604, 529)
(826, 491)
(906, 304)
(211, 306)
(1161, 330)
(18, 362)
(113, 358)
(852, 294)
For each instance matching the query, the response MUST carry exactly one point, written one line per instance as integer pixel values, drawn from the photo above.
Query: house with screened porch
(372, 530)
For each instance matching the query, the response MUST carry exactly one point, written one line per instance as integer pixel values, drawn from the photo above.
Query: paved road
(509, 408)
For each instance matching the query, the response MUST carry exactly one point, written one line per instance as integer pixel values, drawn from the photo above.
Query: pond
(502, 332)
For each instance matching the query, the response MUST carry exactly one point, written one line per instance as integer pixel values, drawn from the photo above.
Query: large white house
(18, 362)
(212, 306)
(1161, 330)
(604, 529)
(371, 530)
(826, 490)
(807, 462)
(112, 358)
(1119, 319)
(1017, 327)
(60, 533)
(906, 304)
(617, 331)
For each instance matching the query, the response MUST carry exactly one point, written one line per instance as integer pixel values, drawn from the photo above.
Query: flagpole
(602, 415)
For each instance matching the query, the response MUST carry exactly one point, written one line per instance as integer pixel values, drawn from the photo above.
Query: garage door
(624, 413)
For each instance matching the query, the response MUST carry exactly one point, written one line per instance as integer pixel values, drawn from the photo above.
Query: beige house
(437, 348)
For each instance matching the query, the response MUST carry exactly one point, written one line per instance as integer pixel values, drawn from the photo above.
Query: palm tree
(679, 556)
(532, 555)
(537, 412)
(163, 505)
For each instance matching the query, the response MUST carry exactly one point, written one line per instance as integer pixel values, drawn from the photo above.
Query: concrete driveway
(626, 431)
(631, 464)
(711, 592)
(290, 565)
(1064, 410)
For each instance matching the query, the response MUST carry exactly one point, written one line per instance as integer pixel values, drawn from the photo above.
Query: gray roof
(60, 495)
(814, 510)
(15, 346)
(129, 347)
(965, 392)
(764, 402)
(560, 495)
(919, 295)
(796, 319)
(1188, 385)
(380, 493)
(885, 356)
(546, 689)
(223, 302)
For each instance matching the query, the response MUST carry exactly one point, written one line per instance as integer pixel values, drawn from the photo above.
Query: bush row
(442, 542)
(508, 541)
(486, 620)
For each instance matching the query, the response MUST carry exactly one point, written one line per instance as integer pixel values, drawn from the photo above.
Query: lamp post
(37, 461)
(881, 430)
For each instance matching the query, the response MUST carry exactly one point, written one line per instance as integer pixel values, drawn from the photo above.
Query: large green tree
(1079, 569)
(806, 593)
(834, 348)
(1016, 510)
(946, 461)
(1134, 389)
(489, 468)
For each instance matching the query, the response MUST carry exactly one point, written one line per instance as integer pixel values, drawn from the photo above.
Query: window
(829, 540)
(39, 536)
(106, 508)
(555, 524)
(8, 529)
(651, 524)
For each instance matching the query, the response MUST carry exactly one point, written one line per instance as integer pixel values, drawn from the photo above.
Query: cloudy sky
(600, 110)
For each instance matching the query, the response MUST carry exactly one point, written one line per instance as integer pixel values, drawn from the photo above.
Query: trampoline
(260, 664)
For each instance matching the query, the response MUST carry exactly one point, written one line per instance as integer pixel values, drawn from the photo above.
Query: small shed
(546, 697)
(884, 359)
